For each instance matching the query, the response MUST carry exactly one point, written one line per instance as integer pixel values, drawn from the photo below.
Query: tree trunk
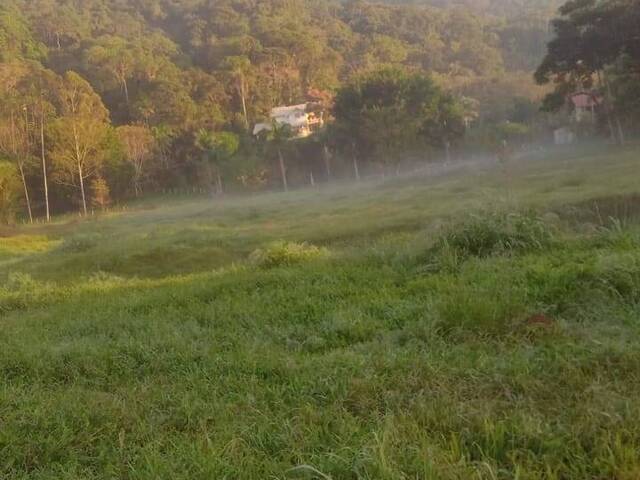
(79, 162)
(243, 99)
(219, 180)
(311, 179)
(125, 89)
(26, 191)
(137, 179)
(21, 165)
(44, 163)
(327, 162)
(213, 190)
(621, 139)
(620, 131)
(447, 147)
(356, 170)
(84, 198)
(607, 109)
(283, 171)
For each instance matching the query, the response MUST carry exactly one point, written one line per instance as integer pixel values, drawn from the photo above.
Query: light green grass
(212, 339)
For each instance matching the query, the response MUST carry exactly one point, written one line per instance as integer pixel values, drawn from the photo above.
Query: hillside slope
(378, 331)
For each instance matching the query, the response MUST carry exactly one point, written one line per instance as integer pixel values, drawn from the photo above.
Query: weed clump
(286, 253)
(486, 235)
(494, 234)
(21, 291)
(490, 309)
(25, 244)
(80, 243)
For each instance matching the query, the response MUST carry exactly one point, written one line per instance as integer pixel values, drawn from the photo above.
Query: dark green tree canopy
(389, 110)
(590, 35)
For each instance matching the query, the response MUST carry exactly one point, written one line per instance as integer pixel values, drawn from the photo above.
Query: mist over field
(297, 239)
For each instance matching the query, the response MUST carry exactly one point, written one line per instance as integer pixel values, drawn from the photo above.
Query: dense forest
(103, 100)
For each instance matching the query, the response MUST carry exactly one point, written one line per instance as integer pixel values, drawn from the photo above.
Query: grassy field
(477, 324)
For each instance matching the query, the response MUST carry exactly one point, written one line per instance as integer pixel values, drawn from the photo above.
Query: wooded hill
(169, 69)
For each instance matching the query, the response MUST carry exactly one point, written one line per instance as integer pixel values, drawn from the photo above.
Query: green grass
(381, 331)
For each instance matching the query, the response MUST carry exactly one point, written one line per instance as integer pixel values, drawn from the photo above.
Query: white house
(563, 136)
(303, 119)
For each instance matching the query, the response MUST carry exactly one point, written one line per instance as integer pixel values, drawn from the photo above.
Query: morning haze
(319, 239)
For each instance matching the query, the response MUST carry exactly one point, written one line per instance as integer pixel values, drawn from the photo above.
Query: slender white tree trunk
(26, 191)
(79, 162)
(621, 139)
(84, 198)
(44, 163)
(219, 179)
(283, 171)
(243, 99)
(356, 169)
(327, 162)
(21, 164)
(607, 109)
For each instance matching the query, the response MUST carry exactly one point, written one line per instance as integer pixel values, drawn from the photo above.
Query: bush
(286, 253)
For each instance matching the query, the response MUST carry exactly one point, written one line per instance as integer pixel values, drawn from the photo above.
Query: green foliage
(389, 111)
(185, 66)
(592, 37)
(17, 41)
(81, 135)
(219, 147)
(100, 193)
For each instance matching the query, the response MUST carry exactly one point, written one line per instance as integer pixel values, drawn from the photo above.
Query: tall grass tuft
(285, 254)
(497, 233)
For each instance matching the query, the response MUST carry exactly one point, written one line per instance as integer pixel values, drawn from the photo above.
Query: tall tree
(15, 125)
(387, 112)
(139, 144)
(239, 71)
(80, 134)
(590, 37)
(37, 90)
(218, 148)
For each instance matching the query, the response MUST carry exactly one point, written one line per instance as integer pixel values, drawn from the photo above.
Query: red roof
(585, 99)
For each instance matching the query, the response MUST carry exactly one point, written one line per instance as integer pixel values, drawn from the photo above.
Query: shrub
(286, 253)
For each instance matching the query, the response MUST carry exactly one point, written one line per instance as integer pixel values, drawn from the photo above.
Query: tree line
(104, 100)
